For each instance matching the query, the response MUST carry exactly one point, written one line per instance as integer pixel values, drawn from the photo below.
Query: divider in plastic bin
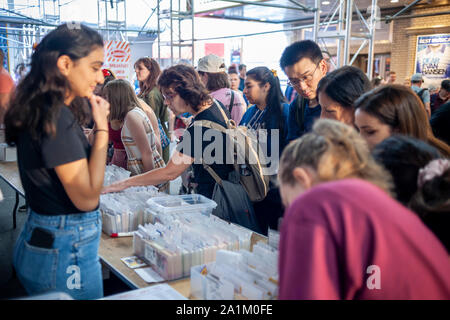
(209, 288)
(182, 204)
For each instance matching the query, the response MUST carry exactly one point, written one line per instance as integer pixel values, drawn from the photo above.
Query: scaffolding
(171, 15)
(175, 30)
(343, 34)
(112, 18)
(21, 36)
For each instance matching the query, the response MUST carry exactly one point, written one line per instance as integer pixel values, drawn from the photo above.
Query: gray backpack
(233, 203)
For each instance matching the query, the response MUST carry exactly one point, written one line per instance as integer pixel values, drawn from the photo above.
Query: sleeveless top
(134, 163)
(116, 137)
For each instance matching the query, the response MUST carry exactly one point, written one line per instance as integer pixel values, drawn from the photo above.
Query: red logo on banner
(118, 54)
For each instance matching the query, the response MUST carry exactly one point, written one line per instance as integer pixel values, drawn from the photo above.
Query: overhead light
(211, 14)
(263, 19)
(394, 1)
(325, 3)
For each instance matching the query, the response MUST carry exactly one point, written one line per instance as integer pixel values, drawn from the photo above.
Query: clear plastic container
(208, 288)
(181, 204)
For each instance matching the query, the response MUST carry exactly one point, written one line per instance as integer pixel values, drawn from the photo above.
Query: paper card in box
(150, 254)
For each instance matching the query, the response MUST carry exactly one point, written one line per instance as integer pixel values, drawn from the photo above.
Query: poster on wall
(117, 58)
(433, 58)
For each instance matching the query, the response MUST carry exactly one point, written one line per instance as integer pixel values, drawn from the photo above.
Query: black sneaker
(23, 208)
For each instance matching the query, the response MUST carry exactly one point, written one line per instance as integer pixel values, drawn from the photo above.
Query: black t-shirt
(195, 142)
(440, 122)
(44, 191)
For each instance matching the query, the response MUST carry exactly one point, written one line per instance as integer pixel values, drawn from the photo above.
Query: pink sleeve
(308, 263)
(239, 108)
(6, 83)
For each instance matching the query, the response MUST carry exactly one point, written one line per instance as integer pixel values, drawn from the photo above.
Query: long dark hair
(121, 98)
(344, 85)
(401, 109)
(275, 98)
(403, 156)
(148, 84)
(40, 95)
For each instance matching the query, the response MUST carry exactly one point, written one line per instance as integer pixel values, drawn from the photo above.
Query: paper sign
(149, 275)
(156, 292)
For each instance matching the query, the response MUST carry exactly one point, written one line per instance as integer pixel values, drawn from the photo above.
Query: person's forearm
(151, 178)
(97, 160)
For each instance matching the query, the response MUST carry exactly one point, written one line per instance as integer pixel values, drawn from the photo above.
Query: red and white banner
(117, 58)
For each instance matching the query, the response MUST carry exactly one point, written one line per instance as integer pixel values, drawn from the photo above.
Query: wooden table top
(10, 173)
(111, 250)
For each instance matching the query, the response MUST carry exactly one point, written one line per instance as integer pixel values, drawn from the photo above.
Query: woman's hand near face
(100, 112)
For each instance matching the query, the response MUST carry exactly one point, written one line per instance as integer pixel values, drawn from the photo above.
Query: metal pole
(179, 29)
(406, 8)
(357, 52)
(125, 18)
(159, 32)
(340, 42)
(348, 31)
(106, 17)
(270, 5)
(372, 24)
(171, 34)
(192, 14)
(98, 12)
(316, 21)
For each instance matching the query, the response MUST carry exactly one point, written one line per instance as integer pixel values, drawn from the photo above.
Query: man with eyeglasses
(304, 65)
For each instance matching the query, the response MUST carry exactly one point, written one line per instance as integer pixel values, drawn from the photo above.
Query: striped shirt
(134, 162)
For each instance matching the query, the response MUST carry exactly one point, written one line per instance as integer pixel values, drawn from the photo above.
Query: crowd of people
(355, 174)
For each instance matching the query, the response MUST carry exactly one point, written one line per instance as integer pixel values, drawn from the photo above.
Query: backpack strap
(223, 108)
(213, 174)
(420, 93)
(230, 108)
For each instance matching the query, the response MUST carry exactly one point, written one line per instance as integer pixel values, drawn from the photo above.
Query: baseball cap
(416, 77)
(210, 63)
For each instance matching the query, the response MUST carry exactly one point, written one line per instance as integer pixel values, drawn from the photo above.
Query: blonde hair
(335, 151)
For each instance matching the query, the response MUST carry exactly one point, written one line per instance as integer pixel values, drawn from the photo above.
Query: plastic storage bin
(207, 287)
(177, 204)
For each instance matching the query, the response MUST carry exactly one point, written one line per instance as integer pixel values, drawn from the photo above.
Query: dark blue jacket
(271, 124)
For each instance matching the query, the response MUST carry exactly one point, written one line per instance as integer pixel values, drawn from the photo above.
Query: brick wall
(405, 37)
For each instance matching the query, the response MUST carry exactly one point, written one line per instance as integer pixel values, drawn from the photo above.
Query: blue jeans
(72, 265)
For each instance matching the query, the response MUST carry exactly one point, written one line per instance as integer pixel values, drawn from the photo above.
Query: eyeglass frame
(305, 80)
(169, 97)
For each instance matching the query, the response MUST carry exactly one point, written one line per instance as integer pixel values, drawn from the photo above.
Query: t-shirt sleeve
(239, 107)
(66, 146)
(426, 96)
(6, 83)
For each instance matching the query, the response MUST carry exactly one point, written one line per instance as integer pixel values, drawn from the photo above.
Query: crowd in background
(363, 169)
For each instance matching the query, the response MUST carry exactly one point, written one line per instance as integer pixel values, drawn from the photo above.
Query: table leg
(15, 209)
